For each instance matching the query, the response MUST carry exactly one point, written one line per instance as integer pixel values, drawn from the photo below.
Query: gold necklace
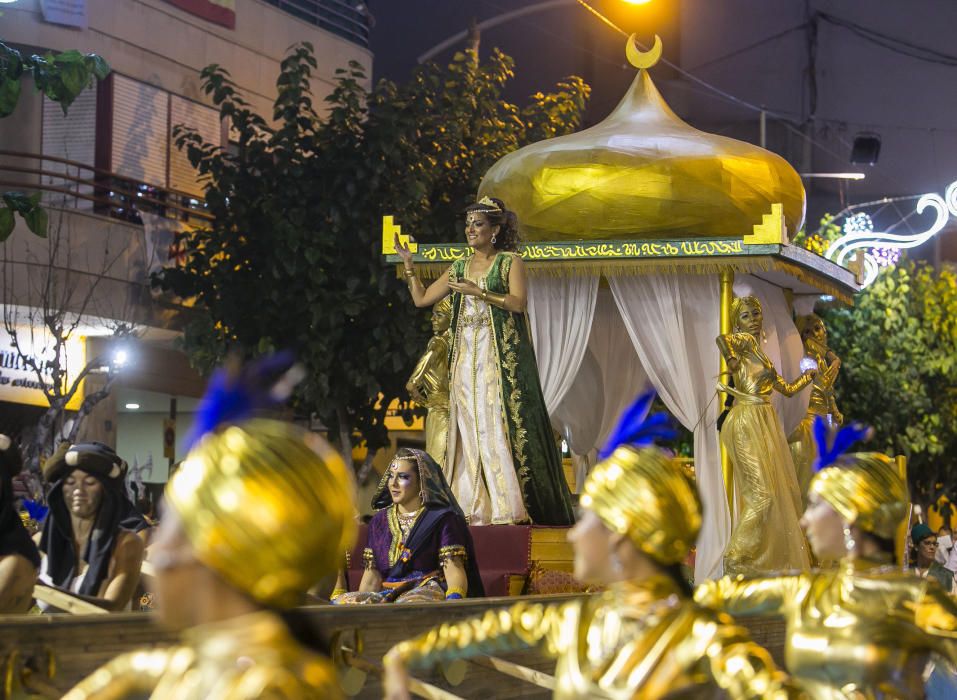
(406, 520)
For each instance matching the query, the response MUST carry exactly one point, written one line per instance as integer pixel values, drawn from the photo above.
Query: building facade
(117, 189)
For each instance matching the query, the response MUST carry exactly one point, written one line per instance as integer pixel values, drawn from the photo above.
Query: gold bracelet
(493, 298)
(454, 593)
(410, 273)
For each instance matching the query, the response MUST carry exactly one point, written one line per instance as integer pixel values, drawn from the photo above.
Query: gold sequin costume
(268, 507)
(766, 535)
(429, 383)
(243, 658)
(863, 630)
(820, 403)
(639, 639)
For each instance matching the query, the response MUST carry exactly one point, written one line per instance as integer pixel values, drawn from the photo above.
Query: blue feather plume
(636, 427)
(37, 511)
(238, 392)
(831, 444)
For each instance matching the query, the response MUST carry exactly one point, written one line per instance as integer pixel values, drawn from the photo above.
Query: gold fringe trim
(618, 268)
(819, 281)
(694, 266)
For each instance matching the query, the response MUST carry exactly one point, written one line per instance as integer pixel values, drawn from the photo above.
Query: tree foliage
(819, 240)
(898, 345)
(61, 77)
(293, 256)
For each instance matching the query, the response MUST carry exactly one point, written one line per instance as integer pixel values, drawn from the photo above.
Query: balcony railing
(69, 183)
(349, 19)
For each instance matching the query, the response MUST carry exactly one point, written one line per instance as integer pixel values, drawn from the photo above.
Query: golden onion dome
(643, 172)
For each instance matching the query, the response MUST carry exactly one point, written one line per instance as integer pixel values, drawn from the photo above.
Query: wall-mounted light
(132, 406)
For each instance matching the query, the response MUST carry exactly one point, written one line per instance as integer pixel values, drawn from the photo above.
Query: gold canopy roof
(643, 173)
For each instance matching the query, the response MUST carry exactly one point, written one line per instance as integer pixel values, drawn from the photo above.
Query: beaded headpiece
(640, 491)
(433, 488)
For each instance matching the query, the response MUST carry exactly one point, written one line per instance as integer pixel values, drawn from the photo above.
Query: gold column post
(726, 295)
(903, 531)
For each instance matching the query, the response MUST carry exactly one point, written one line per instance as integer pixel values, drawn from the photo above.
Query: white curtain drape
(623, 375)
(782, 345)
(672, 322)
(560, 313)
(609, 379)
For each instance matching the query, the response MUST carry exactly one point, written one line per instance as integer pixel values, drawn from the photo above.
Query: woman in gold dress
(864, 628)
(258, 512)
(821, 402)
(644, 637)
(766, 535)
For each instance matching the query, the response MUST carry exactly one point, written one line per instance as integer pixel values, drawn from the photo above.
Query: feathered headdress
(37, 511)
(641, 492)
(865, 488)
(637, 428)
(237, 392)
(832, 443)
(249, 481)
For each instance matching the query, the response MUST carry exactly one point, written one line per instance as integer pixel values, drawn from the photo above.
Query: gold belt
(748, 399)
(476, 320)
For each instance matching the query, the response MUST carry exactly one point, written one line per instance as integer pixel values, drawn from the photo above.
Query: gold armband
(493, 298)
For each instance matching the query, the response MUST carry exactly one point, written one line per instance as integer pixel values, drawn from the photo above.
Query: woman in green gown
(502, 460)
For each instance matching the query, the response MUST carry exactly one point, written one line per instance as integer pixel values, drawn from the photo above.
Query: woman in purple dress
(419, 547)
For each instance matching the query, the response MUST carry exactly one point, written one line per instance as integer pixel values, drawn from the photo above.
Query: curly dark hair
(507, 237)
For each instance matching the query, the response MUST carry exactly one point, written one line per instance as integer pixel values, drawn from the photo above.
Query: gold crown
(487, 202)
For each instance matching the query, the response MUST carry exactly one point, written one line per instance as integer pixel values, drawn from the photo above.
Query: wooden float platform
(79, 644)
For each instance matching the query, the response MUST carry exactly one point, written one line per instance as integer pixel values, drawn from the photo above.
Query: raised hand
(403, 251)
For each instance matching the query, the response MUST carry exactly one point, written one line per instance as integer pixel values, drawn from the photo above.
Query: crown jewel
(487, 202)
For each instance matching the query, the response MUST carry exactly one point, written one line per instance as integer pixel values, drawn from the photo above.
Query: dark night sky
(546, 46)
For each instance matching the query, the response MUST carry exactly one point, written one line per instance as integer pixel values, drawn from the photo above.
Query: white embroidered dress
(479, 465)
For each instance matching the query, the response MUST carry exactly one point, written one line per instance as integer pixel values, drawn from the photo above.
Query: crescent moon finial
(643, 59)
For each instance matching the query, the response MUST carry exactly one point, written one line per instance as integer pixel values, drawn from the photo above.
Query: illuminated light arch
(861, 238)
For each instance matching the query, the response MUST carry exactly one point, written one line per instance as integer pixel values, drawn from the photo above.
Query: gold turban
(644, 494)
(867, 490)
(268, 506)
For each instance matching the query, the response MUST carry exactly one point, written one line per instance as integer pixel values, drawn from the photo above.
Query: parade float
(639, 231)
